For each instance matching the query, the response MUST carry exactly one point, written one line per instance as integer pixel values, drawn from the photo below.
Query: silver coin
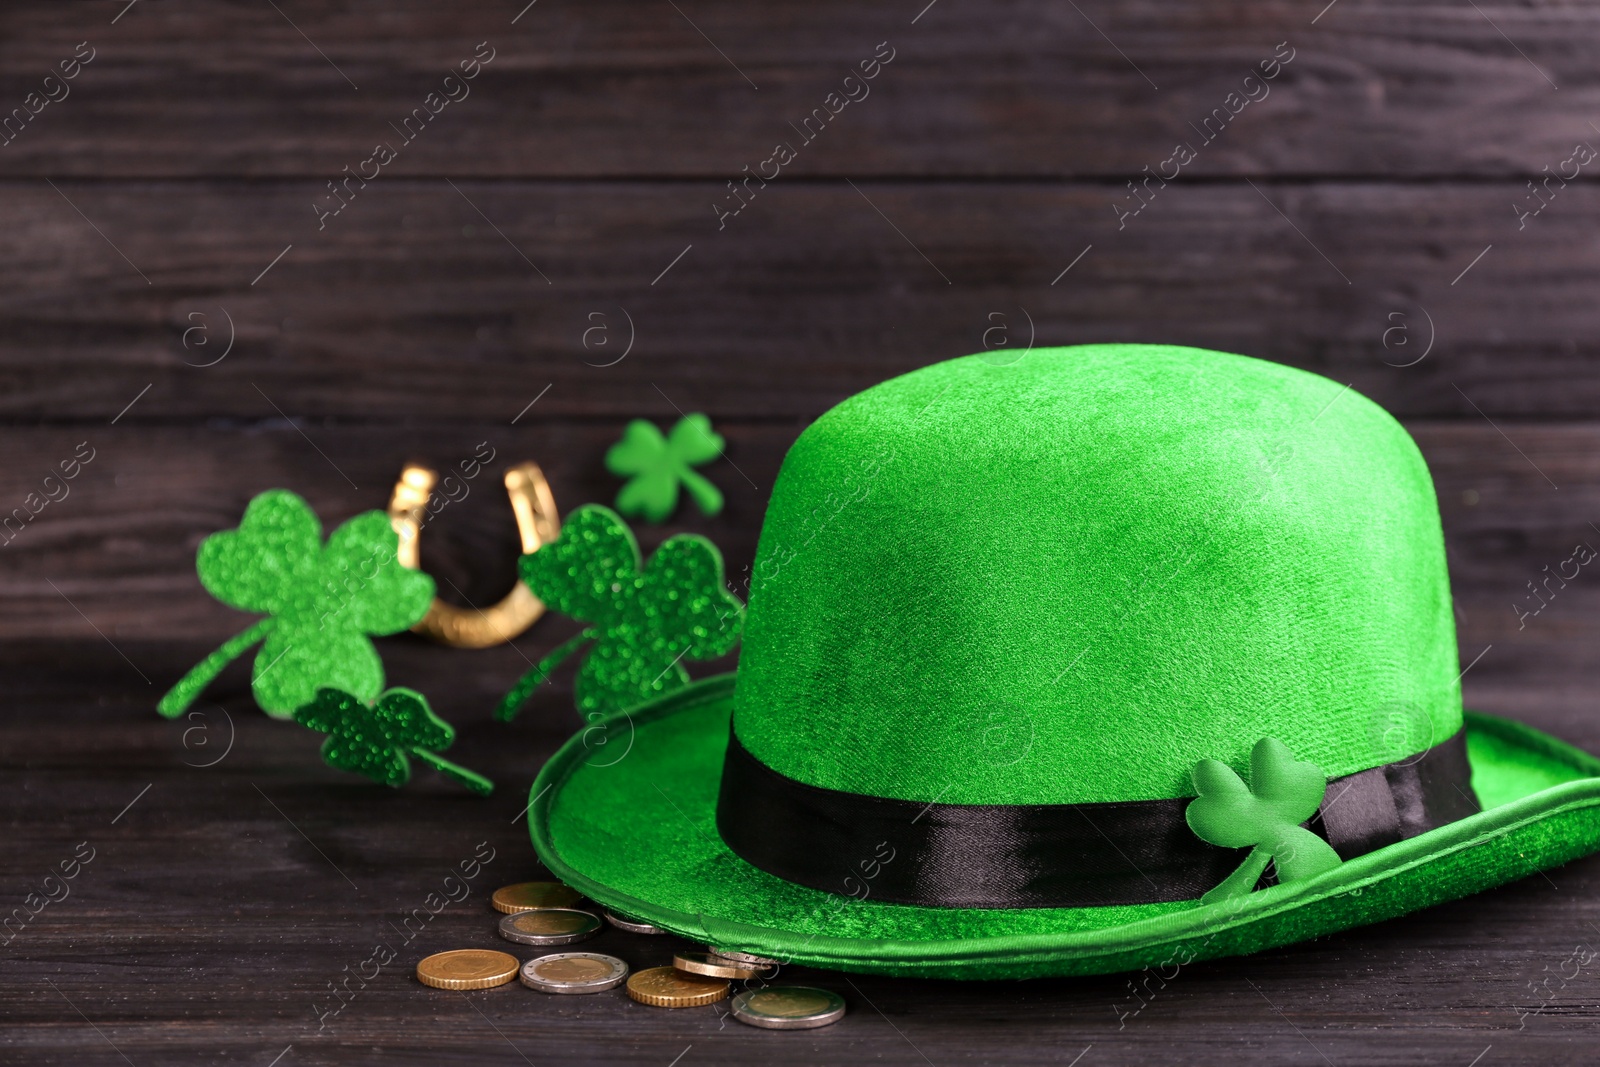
(790, 1007)
(573, 972)
(633, 926)
(743, 957)
(549, 926)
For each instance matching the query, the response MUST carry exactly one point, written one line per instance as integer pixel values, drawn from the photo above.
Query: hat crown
(1070, 578)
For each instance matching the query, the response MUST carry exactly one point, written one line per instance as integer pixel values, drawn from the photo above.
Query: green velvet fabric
(1071, 578)
(639, 836)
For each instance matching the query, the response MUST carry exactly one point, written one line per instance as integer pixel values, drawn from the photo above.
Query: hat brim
(625, 813)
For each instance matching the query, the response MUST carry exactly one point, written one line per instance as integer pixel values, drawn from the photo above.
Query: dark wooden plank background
(1360, 221)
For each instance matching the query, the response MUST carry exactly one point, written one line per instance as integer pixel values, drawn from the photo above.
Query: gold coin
(467, 968)
(549, 926)
(668, 987)
(530, 896)
(574, 969)
(713, 965)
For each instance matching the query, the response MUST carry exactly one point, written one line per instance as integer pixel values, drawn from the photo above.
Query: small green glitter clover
(658, 464)
(644, 621)
(1283, 792)
(321, 602)
(375, 740)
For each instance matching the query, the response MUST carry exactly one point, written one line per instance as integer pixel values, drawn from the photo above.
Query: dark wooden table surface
(179, 299)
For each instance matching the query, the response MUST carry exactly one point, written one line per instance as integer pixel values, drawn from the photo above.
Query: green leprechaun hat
(1118, 655)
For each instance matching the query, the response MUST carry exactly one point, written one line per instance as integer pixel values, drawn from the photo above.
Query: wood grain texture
(173, 201)
(121, 544)
(409, 306)
(120, 547)
(637, 89)
(220, 905)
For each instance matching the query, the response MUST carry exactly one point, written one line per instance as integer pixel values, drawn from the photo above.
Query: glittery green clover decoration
(321, 602)
(376, 740)
(658, 464)
(1283, 792)
(644, 620)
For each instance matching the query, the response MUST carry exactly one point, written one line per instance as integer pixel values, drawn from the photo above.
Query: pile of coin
(546, 914)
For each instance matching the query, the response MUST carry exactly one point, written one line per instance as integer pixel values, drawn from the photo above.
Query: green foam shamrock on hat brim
(644, 619)
(322, 602)
(1264, 816)
(376, 740)
(657, 465)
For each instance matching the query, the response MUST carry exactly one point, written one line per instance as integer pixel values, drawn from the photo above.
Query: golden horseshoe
(537, 522)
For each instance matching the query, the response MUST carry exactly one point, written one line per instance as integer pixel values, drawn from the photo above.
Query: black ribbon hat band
(1048, 855)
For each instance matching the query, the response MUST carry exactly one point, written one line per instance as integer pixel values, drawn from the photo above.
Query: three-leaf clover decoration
(644, 619)
(1264, 816)
(658, 464)
(376, 740)
(321, 602)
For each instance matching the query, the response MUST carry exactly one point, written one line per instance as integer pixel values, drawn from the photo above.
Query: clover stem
(180, 696)
(707, 496)
(1242, 880)
(524, 687)
(471, 779)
